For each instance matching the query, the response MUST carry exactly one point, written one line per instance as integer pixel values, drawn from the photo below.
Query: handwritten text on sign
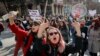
(34, 13)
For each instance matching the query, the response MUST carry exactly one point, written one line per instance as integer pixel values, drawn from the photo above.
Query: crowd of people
(56, 36)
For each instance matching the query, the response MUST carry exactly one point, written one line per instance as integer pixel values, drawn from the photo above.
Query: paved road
(6, 34)
(8, 47)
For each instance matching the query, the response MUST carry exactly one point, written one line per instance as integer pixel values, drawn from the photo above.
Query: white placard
(92, 12)
(34, 15)
(36, 18)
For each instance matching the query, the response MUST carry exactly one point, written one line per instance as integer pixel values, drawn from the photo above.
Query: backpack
(1, 27)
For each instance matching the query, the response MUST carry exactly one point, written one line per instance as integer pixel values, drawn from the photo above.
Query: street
(9, 44)
(8, 41)
(50, 27)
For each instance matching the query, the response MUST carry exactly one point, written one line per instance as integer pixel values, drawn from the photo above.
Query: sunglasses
(53, 33)
(35, 24)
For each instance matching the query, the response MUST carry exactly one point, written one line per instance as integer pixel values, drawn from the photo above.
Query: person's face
(35, 28)
(83, 22)
(61, 23)
(53, 36)
(30, 21)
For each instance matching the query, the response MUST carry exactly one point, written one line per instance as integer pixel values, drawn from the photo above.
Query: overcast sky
(99, 0)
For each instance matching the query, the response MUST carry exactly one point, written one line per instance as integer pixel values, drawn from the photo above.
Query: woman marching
(43, 39)
(55, 44)
(94, 37)
(27, 40)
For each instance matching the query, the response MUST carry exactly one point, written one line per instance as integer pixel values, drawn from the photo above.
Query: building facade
(55, 7)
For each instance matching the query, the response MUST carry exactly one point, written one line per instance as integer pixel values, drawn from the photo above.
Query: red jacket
(1, 27)
(20, 34)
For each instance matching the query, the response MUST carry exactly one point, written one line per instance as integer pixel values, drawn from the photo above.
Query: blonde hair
(61, 44)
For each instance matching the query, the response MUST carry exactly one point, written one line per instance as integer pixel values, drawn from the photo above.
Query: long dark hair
(97, 24)
(63, 26)
(54, 23)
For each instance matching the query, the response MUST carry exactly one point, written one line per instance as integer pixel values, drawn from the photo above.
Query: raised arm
(42, 28)
(76, 26)
(15, 29)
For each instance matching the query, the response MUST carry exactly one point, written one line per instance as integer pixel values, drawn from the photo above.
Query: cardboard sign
(79, 9)
(34, 15)
(92, 12)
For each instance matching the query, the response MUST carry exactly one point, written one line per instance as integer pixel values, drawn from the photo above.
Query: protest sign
(92, 12)
(34, 15)
(79, 9)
